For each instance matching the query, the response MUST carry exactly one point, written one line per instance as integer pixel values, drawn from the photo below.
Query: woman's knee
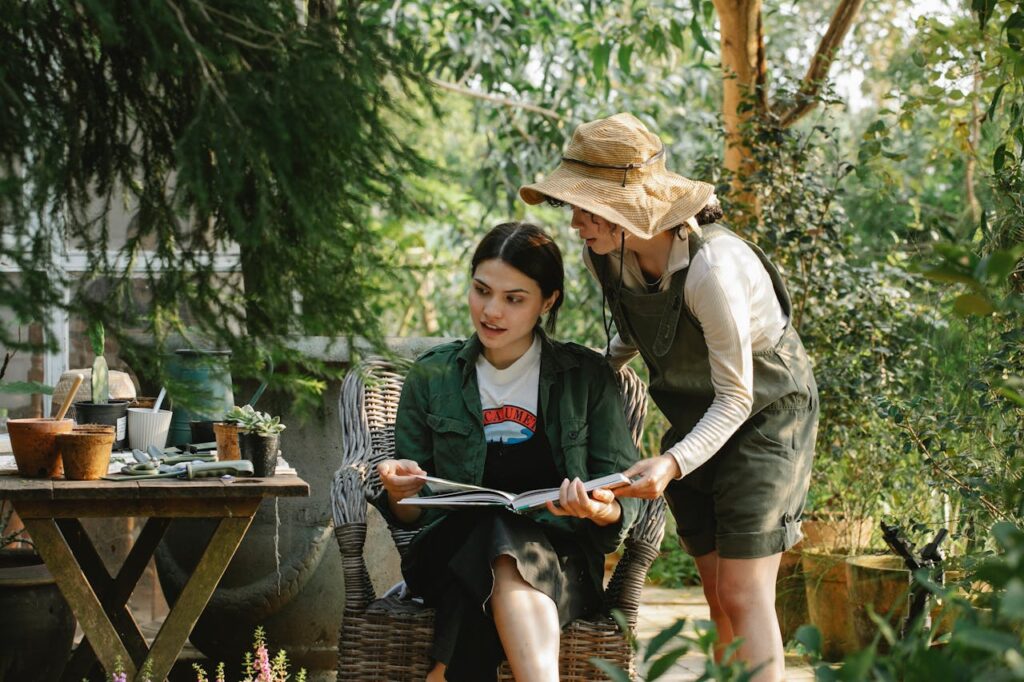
(738, 594)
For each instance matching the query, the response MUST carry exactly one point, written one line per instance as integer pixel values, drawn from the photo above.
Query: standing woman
(509, 408)
(710, 316)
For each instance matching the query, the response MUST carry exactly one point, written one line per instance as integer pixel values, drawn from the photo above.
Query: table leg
(195, 594)
(113, 593)
(84, 602)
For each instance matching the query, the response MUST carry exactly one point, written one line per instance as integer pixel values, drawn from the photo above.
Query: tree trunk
(744, 71)
(744, 91)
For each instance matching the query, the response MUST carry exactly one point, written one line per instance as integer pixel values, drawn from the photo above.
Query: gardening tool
(185, 470)
(159, 400)
(69, 397)
(930, 558)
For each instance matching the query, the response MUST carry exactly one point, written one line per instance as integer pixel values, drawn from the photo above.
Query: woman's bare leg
(527, 623)
(746, 593)
(707, 566)
(437, 673)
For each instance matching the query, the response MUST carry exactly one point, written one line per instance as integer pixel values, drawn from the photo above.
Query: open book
(452, 495)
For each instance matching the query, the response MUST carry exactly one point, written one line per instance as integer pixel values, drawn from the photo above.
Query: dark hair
(711, 213)
(532, 252)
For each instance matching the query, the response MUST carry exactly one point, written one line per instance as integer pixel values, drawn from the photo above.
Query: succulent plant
(250, 420)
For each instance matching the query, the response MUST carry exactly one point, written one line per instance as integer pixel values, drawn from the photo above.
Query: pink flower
(119, 677)
(263, 660)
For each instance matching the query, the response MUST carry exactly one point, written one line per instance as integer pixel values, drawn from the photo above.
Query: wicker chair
(387, 639)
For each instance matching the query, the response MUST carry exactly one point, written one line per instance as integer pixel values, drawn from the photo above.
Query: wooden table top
(16, 488)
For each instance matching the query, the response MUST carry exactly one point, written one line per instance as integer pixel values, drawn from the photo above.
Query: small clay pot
(86, 453)
(34, 446)
(227, 440)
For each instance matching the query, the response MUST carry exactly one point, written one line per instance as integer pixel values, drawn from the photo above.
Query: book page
(538, 498)
(443, 485)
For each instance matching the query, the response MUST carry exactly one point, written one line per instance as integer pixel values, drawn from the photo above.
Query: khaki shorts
(746, 500)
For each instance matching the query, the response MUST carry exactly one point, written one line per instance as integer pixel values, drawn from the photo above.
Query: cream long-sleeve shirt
(730, 293)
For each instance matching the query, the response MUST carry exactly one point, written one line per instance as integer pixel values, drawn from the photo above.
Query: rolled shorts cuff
(744, 545)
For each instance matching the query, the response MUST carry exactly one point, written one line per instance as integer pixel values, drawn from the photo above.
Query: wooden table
(50, 511)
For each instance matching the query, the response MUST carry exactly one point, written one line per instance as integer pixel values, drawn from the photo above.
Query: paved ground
(661, 607)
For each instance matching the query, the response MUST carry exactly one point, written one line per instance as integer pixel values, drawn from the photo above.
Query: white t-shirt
(730, 293)
(509, 397)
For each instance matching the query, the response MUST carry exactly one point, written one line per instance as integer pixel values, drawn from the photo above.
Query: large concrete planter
(299, 597)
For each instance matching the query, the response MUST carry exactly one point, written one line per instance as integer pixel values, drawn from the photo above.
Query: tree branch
(496, 99)
(838, 27)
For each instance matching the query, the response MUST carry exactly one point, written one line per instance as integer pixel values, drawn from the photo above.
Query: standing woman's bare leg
(746, 592)
(436, 673)
(527, 623)
(707, 566)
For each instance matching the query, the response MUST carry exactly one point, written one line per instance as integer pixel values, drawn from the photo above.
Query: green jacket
(440, 426)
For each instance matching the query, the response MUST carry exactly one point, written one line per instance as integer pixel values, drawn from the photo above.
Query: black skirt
(451, 569)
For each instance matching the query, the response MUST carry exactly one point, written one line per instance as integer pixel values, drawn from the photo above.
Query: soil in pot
(35, 448)
(37, 627)
(261, 451)
(227, 441)
(86, 453)
(113, 413)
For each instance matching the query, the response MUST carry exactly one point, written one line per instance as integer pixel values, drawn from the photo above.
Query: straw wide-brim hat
(615, 168)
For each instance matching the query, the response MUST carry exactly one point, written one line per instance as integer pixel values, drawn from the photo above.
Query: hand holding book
(599, 505)
(590, 499)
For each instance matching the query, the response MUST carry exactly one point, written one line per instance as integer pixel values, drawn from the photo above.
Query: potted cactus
(102, 410)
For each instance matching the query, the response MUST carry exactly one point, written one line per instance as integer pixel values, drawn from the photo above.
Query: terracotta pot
(883, 583)
(34, 446)
(828, 601)
(835, 532)
(790, 594)
(86, 453)
(227, 440)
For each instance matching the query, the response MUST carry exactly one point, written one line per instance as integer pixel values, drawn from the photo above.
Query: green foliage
(673, 567)
(674, 642)
(861, 320)
(244, 128)
(985, 643)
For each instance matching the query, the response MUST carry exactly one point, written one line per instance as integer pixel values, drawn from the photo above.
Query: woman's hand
(653, 474)
(399, 478)
(600, 506)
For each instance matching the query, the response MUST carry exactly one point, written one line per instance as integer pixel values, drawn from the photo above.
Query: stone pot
(37, 628)
(226, 434)
(33, 442)
(86, 453)
(261, 451)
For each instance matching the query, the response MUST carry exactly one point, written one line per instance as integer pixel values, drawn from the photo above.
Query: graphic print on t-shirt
(509, 424)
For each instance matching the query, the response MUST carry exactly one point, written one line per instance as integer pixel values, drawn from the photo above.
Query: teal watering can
(199, 386)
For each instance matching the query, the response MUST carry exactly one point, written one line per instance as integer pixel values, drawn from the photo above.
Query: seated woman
(511, 409)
